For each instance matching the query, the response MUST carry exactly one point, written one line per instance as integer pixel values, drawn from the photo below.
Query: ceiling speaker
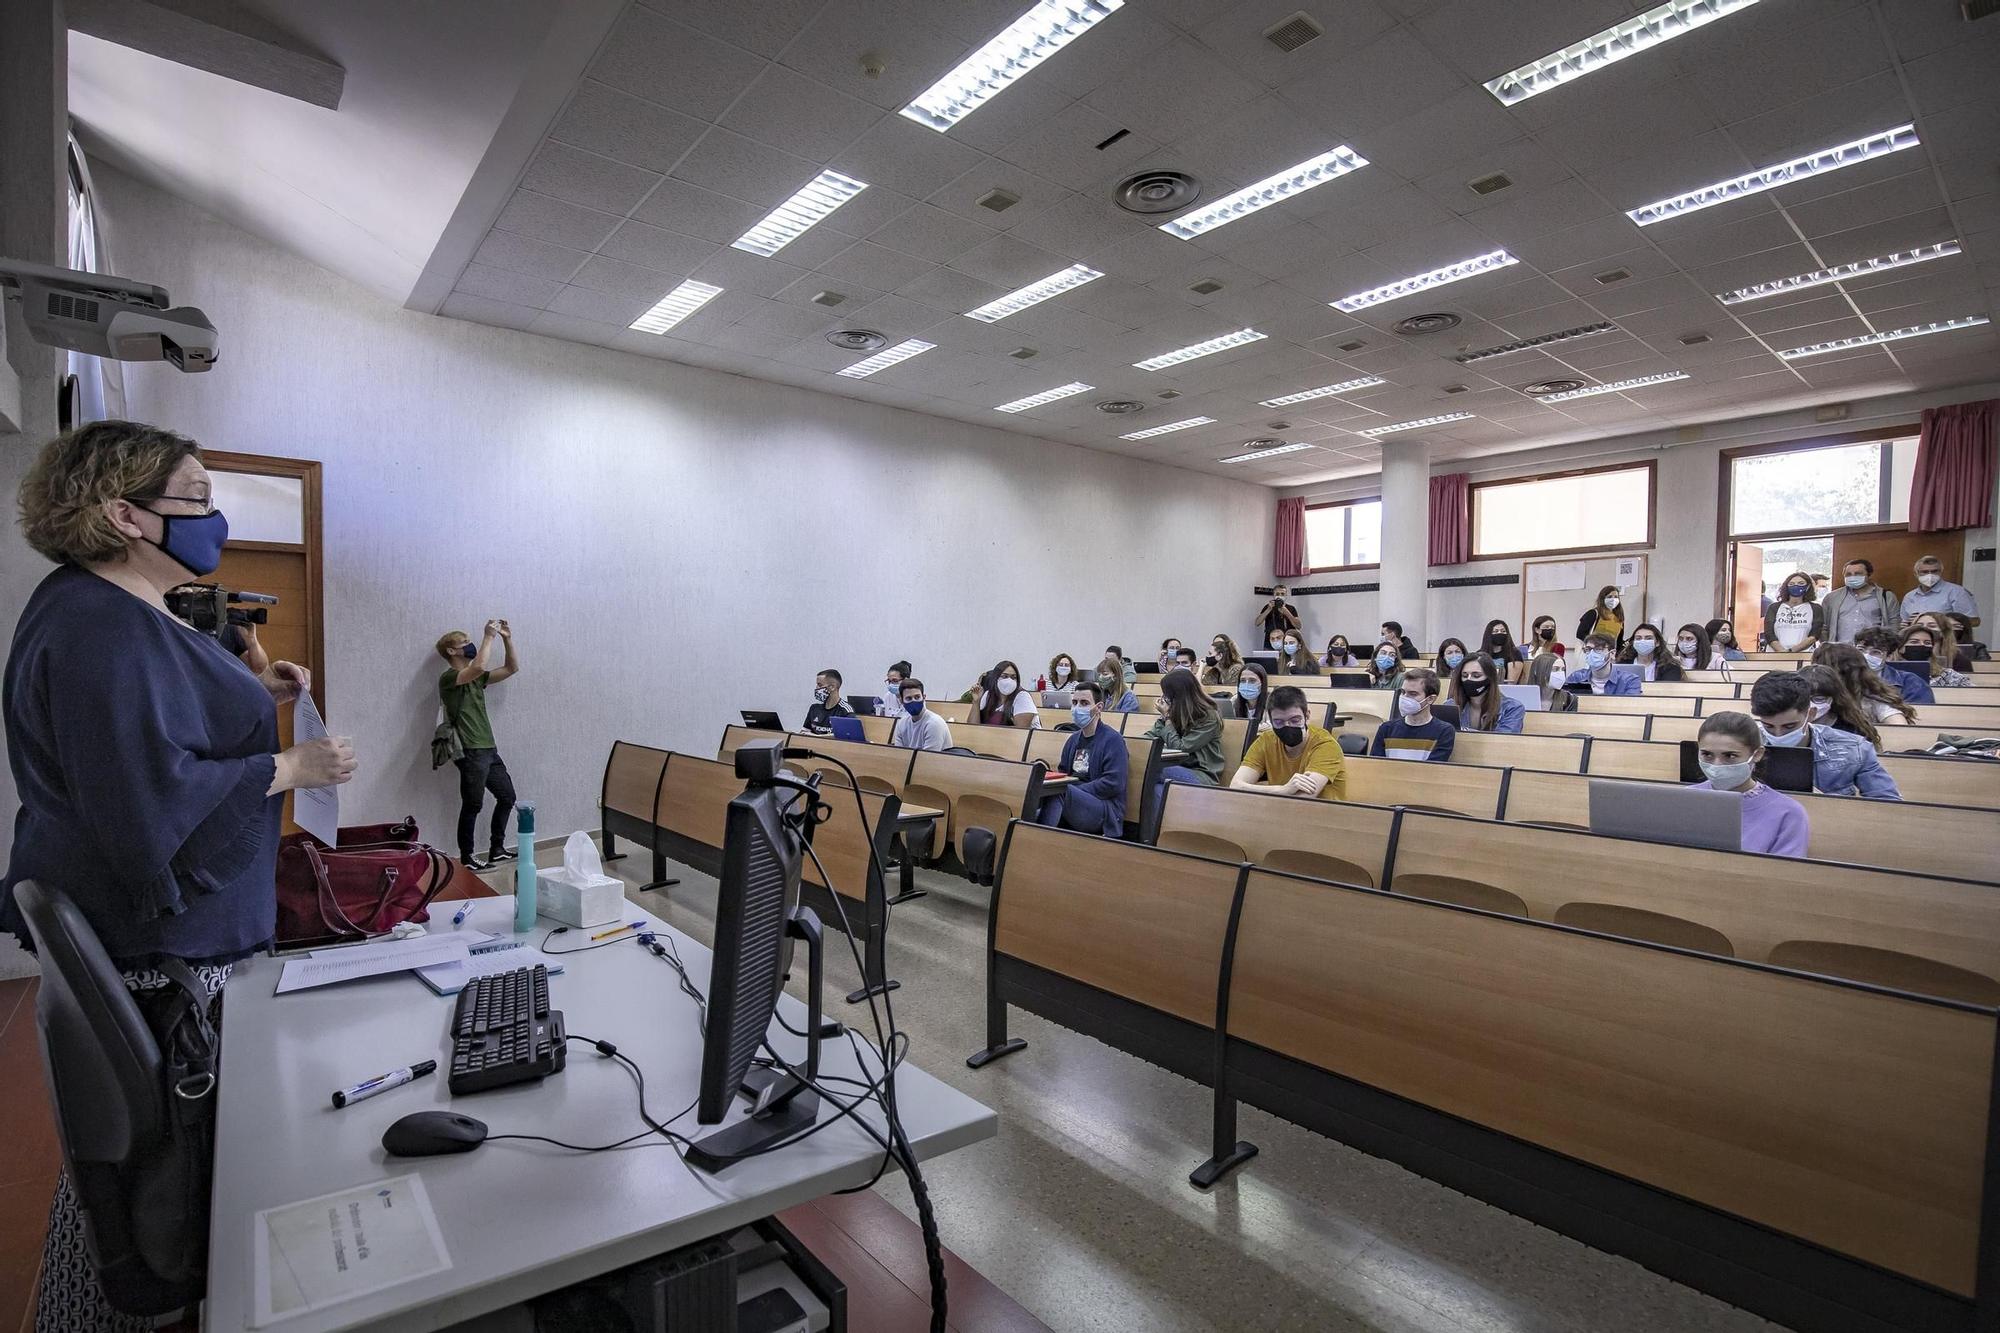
(1435, 322)
(1156, 192)
(1119, 407)
(857, 340)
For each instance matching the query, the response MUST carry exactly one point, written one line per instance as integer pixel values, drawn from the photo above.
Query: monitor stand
(783, 1105)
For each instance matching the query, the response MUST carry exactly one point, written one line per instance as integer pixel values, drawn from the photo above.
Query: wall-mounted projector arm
(101, 315)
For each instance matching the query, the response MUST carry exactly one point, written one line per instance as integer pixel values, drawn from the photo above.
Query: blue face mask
(1595, 658)
(1249, 687)
(1856, 582)
(195, 542)
(1080, 714)
(913, 706)
(1383, 661)
(1453, 660)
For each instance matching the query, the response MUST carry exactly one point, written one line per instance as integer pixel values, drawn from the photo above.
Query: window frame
(1651, 467)
(1341, 504)
(1726, 485)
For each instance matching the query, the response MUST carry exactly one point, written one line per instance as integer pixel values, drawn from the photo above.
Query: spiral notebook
(489, 955)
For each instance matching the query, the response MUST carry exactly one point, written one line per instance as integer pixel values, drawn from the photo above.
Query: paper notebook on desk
(485, 960)
(330, 966)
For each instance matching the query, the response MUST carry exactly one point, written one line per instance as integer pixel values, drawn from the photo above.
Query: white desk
(518, 1219)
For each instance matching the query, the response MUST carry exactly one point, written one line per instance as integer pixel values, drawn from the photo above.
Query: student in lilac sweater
(1730, 746)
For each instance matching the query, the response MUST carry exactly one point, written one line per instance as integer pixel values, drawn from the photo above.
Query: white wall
(1681, 569)
(671, 543)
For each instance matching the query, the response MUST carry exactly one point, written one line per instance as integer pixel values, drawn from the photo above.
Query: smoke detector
(1119, 407)
(857, 340)
(1156, 192)
(1435, 322)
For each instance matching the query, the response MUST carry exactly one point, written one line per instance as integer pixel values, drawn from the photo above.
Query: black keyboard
(504, 1031)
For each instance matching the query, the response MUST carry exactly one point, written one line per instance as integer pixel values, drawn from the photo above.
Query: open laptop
(1666, 812)
(864, 705)
(761, 721)
(1055, 699)
(1349, 680)
(1528, 696)
(847, 729)
(1785, 768)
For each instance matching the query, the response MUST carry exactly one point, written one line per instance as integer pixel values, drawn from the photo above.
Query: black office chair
(1352, 743)
(145, 1204)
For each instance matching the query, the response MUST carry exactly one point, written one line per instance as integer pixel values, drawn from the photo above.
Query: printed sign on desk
(319, 1252)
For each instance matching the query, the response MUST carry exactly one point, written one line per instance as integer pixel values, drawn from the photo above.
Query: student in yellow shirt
(1292, 757)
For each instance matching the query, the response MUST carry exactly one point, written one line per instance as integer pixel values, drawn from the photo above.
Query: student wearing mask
(1002, 702)
(1392, 632)
(891, 702)
(1722, 644)
(1111, 680)
(1730, 747)
(1415, 733)
(1294, 658)
(1878, 649)
(918, 728)
(1842, 763)
(1547, 666)
(1184, 660)
(1604, 617)
(1925, 649)
(1095, 756)
(1936, 593)
(1224, 661)
(1645, 652)
(1481, 706)
(1834, 705)
(1858, 604)
(1961, 629)
(1339, 656)
(1385, 668)
(1127, 672)
(1277, 615)
(1691, 650)
(1188, 722)
(1062, 671)
(1498, 644)
(826, 703)
(1597, 675)
(1943, 627)
(1794, 623)
(1276, 642)
(1451, 656)
(1293, 757)
(1253, 694)
(1168, 647)
(1877, 701)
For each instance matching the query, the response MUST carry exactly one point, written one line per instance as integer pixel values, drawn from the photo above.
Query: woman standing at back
(1605, 617)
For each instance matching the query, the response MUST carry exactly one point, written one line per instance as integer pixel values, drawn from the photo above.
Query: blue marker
(458, 917)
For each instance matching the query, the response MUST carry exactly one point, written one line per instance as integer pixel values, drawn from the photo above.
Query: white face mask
(1409, 706)
(1007, 686)
(1687, 647)
(1928, 579)
(1791, 741)
(1645, 647)
(1818, 709)
(1062, 672)
(1727, 777)
(1874, 661)
(1611, 604)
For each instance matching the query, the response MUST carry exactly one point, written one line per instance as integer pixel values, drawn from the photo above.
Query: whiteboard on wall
(1553, 588)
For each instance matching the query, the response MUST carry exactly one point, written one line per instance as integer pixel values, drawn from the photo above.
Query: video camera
(209, 607)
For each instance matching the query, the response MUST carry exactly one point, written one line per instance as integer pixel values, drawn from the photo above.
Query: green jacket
(1203, 744)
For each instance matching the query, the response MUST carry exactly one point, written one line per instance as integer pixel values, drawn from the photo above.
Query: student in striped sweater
(1415, 733)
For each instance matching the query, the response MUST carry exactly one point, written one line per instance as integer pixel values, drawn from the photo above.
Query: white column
(1406, 536)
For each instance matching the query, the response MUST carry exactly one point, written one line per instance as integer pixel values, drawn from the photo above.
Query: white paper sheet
(370, 960)
(1559, 577)
(314, 809)
(318, 1252)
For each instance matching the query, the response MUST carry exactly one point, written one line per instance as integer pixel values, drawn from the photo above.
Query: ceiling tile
(1065, 148)
(1375, 85)
(875, 265)
(741, 271)
(571, 329)
(1753, 71)
(907, 157)
(516, 253)
(612, 275)
(513, 288)
(948, 289)
(650, 56)
(482, 310)
(1901, 196)
(1530, 166)
(741, 168)
(831, 46)
(547, 219)
(1079, 227)
(961, 197)
(603, 307)
(585, 179)
(800, 115)
(930, 233)
(1725, 232)
(1007, 262)
(764, 27)
(1486, 40)
(617, 125)
(1184, 88)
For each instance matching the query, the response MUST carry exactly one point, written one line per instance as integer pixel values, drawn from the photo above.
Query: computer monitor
(1666, 812)
(761, 720)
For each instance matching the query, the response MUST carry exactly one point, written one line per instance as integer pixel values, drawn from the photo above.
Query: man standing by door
(462, 687)
(1936, 593)
(1858, 604)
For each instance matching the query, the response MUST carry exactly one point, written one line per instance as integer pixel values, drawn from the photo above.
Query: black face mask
(1548, 632)
(1496, 640)
(1916, 652)
(1475, 688)
(1290, 737)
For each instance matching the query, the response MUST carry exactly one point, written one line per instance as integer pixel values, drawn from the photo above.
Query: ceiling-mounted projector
(99, 315)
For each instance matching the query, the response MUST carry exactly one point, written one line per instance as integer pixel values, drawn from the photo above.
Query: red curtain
(1288, 557)
(1953, 484)
(1451, 520)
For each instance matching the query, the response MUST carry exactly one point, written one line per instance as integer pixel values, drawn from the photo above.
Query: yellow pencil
(616, 930)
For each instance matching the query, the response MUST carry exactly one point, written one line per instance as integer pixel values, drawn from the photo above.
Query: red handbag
(376, 878)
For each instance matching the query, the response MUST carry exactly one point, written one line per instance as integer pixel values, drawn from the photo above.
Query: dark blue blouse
(142, 751)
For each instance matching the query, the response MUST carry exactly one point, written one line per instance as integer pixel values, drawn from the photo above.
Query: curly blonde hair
(63, 496)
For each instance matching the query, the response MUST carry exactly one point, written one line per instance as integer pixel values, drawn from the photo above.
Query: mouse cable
(654, 1128)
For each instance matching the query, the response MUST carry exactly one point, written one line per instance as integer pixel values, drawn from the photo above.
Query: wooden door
(1746, 611)
(1896, 551)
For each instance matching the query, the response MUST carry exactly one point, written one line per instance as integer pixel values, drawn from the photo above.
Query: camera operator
(462, 687)
(147, 758)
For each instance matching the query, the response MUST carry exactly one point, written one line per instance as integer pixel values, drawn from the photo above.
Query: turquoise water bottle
(524, 867)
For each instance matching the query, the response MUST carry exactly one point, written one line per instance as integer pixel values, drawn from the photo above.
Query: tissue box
(597, 903)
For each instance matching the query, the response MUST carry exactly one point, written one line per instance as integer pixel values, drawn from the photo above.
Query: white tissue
(580, 861)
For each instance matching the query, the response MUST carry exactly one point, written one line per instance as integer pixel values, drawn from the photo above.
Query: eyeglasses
(207, 504)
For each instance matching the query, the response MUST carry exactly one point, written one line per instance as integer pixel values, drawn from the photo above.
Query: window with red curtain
(1451, 519)
(1952, 486)
(1288, 556)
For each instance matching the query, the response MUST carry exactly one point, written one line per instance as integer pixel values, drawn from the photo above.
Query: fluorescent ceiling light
(1423, 282)
(1616, 386)
(793, 218)
(1292, 180)
(882, 360)
(1020, 46)
(1412, 425)
(1195, 350)
(1171, 425)
(1770, 178)
(1893, 335)
(1015, 301)
(1324, 391)
(1542, 340)
(1661, 24)
(1046, 396)
(1820, 277)
(676, 306)
(1267, 453)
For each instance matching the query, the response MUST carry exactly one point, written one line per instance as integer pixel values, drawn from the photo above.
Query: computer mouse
(431, 1133)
